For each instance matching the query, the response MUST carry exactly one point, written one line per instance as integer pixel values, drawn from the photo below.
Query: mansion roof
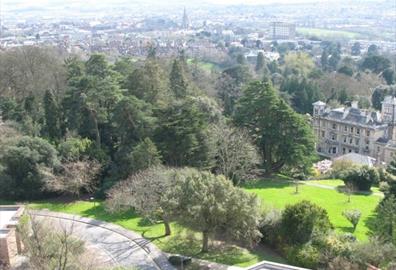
(354, 116)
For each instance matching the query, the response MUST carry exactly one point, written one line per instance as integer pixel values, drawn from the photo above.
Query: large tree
(24, 166)
(260, 62)
(148, 82)
(182, 135)
(178, 80)
(385, 219)
(283, 136)
(145, 192)
(52, 116)
(213, 206)
(133, 120)
(236, 156)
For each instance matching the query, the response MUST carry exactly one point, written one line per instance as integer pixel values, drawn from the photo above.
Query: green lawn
(337, 183)
(276, 193)
(319, 32)
(279, 193)
(182, 241)
(207, 66)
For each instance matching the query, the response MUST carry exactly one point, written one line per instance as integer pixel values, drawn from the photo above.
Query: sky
(231, 2)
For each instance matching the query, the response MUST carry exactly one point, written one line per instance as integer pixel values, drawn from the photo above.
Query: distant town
(200, 32)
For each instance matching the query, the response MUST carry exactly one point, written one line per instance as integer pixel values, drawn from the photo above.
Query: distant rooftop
(357, 159)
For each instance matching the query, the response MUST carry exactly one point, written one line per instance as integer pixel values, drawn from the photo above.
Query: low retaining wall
(10, 243)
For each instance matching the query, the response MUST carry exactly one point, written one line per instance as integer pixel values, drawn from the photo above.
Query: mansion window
(343, 150)
(367, 148)
(333, 137)
(334, 150)
(350, 140)
(351, 129)
(357, 141)
(334, 126)
(345, 139)
(350, 151)
(368, 132)
(367, 142)
(358, 131)
(345, 128)
(323, 134)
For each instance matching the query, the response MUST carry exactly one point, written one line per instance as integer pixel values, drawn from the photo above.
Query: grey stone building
(344, 130)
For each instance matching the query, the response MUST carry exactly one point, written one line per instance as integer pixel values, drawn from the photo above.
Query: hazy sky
(44, 2)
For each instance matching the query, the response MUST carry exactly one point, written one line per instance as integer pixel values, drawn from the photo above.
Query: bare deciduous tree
(74, 177)
(143, 191)
(236, 155)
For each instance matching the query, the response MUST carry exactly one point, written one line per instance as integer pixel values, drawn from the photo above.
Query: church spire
(186, 21)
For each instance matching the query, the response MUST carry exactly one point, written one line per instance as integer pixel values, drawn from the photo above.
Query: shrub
(302, 220)
(362, 178)
(270, 227)
(333, 245)
(341, 168)
(305, 256)
(375, 252)
(353, 216)
(342, 263)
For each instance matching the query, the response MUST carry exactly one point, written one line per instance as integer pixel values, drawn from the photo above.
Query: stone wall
(10, 244)
(4, 251)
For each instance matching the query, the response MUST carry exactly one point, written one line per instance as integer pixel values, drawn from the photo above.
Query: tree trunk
(167, 228)
(96, 126)
(205, 241)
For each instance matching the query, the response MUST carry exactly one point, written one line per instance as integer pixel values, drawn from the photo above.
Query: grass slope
(337, 183)
(206, 66)
(182, 241)
(279, 193)
(326, 33)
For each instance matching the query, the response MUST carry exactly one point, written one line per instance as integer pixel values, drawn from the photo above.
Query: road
(119, 247)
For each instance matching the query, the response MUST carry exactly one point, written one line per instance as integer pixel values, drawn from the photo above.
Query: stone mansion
(344, 130)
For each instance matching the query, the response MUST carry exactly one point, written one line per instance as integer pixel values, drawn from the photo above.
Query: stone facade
(10, 243)
(344, 130)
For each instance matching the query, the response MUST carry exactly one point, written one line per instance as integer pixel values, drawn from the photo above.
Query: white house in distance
(344, 130)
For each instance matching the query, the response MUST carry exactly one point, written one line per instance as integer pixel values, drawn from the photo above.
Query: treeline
(129, 116)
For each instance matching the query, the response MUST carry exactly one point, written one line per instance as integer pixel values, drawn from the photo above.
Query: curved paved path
(118, 246)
